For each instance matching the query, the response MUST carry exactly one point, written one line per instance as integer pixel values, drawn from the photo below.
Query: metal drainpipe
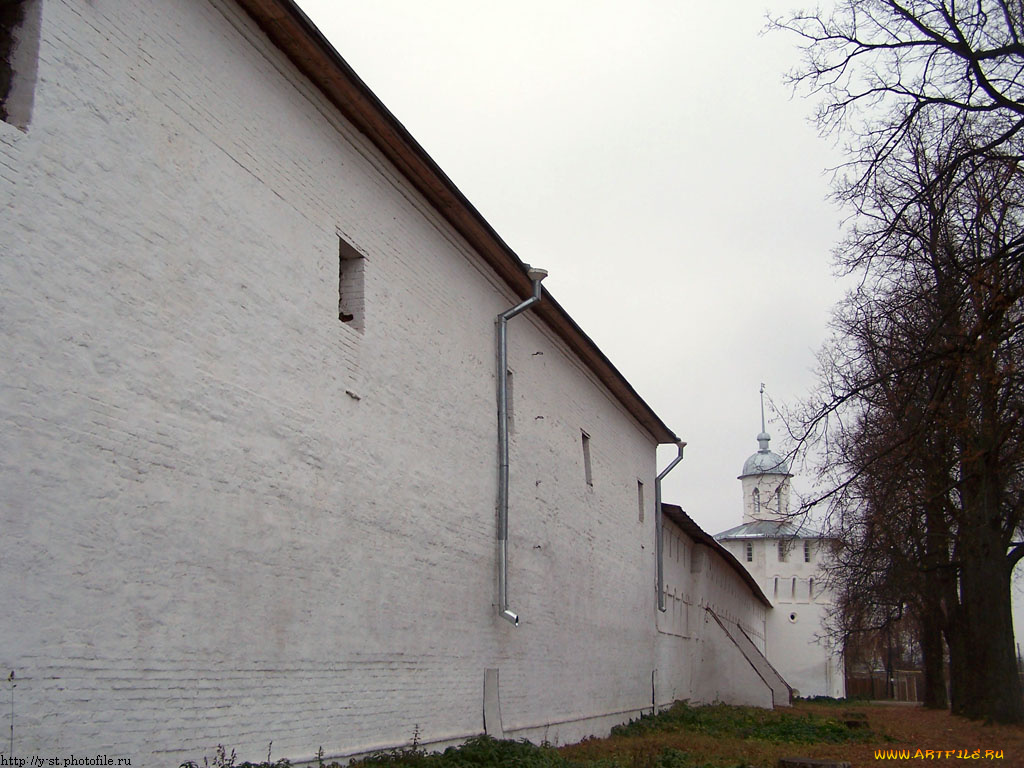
(501, 322)
(658, 525)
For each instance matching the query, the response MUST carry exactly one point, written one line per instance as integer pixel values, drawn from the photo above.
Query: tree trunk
(992, 688)
(938, 588)
(934, 660)
(959, 664)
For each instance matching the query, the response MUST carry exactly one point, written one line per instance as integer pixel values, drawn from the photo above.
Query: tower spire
(762, 407)
(764, 438)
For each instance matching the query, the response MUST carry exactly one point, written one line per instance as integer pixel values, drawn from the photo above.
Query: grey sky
(649, 156)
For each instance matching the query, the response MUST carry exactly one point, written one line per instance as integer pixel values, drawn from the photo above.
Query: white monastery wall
(721, 673)
(727, 594)
(221, 505)
(796, 627)
(697, 659)
(678, 626)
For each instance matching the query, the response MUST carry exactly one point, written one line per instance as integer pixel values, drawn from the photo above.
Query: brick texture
(229, 517)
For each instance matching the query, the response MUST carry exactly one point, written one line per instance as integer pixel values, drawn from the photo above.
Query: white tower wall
(785, 557)
(771, 502)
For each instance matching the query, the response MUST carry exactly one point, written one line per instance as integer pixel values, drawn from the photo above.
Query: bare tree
(926, 369)
(882, 67)
(922, 403)
(892, 568)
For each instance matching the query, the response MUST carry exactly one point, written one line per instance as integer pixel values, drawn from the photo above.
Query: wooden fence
(907, 685)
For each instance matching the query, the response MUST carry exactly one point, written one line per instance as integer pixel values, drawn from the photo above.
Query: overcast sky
(650, 157)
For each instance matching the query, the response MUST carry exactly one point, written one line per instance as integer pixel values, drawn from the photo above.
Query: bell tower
(765, 480)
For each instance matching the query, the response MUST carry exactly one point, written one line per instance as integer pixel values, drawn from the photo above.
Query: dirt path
(950, 739)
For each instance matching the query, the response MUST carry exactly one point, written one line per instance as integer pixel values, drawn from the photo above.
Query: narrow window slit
(351, 288)
(587, 469)
(20, 23)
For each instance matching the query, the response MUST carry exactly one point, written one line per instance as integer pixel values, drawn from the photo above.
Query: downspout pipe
(501, 328)
(659, 524)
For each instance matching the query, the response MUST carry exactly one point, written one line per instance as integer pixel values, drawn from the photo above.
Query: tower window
(783, 552)
(757, 501)
(351, 268)
(640, 500)
(587, 469)
(20, 22)
(750, 552)
(807, 551)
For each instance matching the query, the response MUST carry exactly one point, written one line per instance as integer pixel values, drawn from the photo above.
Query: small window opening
(587, 469)
(775, 590)
(810, 589)
(792, 589)
(640, 500)
(783, 552)
(20, 22)
(757, 501)
(807, 551)
(750, 552)
(351, 300)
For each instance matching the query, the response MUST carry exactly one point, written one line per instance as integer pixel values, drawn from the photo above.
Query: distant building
(784, 555)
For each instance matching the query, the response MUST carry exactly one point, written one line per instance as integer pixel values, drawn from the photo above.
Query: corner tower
(785, 556)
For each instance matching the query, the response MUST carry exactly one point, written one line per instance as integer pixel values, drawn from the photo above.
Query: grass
(654, 741)
(745, 723)
(717, 736)
(723, 736)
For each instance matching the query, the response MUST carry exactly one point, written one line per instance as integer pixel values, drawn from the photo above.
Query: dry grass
(893, 727)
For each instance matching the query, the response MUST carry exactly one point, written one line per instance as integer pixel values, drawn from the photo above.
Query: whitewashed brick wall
(697, 660)
(797, 627)
(230, 518)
